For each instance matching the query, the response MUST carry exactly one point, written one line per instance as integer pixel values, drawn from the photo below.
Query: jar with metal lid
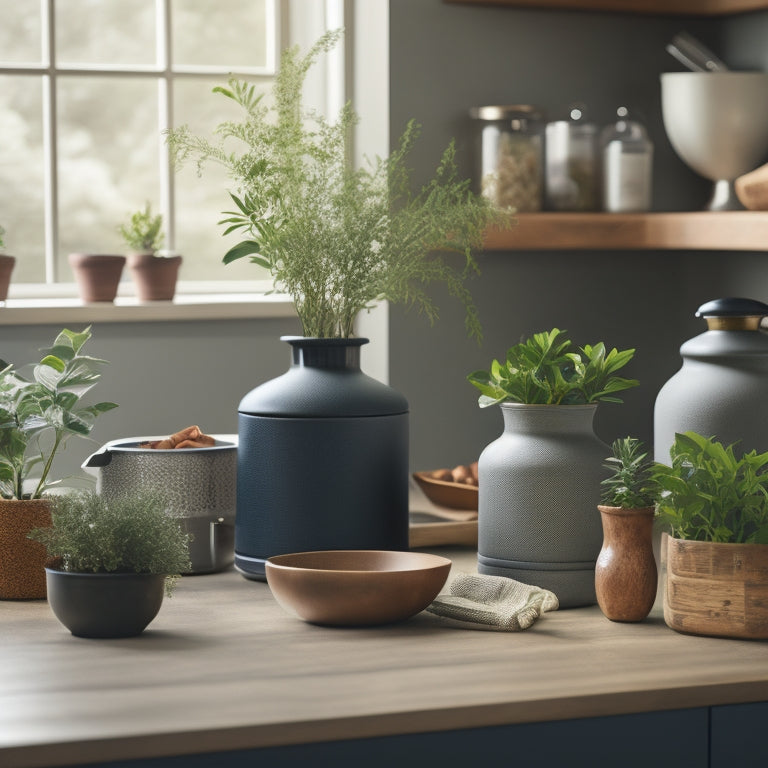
(627, 155)
(571, 164)
(720, 389)
(511, 155)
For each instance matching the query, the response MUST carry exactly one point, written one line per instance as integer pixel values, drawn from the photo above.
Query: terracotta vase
(97, 275)
(6, 267)
(716, 589)
(22, 561)
(626, 575)
(155, 276)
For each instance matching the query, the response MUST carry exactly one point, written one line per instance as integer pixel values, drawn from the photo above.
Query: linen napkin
(496, 603)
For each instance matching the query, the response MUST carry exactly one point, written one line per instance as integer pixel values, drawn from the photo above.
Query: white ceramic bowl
(717, 123)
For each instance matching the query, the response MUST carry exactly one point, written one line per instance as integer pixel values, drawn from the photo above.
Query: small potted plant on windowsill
(155, 275)
(539, 482)
(37, 418)
(714, 505)
(7, 264)
(626, 576)
(112, 560)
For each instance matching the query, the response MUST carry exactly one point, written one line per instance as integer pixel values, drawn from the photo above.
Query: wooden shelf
(657, 7)
(700, 230)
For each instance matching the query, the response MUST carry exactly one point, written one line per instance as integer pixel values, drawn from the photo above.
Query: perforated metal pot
(199, 484)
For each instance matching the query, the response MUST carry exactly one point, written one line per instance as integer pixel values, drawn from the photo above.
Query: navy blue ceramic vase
(322, 459)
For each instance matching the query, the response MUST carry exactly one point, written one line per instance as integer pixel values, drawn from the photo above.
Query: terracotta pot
(155, 276)
(6, 267)
(716, 589)
(625, 574)
(97, 275)
(22, 561)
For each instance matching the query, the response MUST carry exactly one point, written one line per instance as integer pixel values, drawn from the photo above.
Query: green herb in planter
(39, 415)
(126, 534)
(143, 233)
(710, 494)
(631, 484)
(547, 369)
(334, 237)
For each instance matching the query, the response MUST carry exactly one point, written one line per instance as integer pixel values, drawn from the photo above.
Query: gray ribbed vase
(322, 460)
(538, 496)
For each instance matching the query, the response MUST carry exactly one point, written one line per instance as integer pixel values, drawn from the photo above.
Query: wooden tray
(447, 494)
(430, 531)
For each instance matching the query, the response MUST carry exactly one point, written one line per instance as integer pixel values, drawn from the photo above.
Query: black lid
(733, 307)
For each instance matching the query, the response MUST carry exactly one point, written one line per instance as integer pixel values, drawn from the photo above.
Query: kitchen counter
(223, 667)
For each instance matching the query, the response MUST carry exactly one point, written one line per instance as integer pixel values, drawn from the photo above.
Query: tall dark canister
(322, 459)
(720, 391)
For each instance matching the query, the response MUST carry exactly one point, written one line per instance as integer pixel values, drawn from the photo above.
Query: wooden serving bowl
(356, 587)
(446, 493)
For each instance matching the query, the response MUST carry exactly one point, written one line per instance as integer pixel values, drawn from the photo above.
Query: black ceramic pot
(322, 459)
(105, 604)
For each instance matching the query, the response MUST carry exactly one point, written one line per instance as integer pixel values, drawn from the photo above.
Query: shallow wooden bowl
(356, 587)
(446, 493)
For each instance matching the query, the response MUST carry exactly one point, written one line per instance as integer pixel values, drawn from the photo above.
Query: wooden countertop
(224, 667)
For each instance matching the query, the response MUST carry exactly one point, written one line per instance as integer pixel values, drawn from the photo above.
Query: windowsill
(223, 306)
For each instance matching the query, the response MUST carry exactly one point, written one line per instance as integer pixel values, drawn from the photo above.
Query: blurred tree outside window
(87, 88)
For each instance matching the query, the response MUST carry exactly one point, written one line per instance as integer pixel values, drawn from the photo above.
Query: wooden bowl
(356, 587)
(446, 493)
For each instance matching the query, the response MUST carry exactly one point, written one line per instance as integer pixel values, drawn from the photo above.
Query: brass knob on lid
(733, 314)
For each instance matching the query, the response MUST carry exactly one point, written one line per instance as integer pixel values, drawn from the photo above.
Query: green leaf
(240, 250)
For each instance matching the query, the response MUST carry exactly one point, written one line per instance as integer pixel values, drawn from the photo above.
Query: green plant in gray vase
(337, 238)
(631, 483)
(709, 493)
(547, 369)
(38, 415)
(143, 231)
(133, 533)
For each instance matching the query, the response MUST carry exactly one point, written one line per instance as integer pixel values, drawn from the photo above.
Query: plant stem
(41, 485)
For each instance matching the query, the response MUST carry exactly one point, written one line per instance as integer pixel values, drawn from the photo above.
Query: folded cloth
(492, 603)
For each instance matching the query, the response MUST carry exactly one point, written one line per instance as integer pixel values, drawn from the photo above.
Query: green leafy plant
(546, 369)
(143, 233)
(333, 237)
(631, 484)
(39, 415)
(710, 494)
(132, 533)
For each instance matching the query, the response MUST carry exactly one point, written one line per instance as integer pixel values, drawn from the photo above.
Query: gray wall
(446, 58)
(164, 376)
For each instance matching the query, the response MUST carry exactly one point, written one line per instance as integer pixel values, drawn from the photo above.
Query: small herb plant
(39, 415)
(142, 233)
(631, 484)
(547, 369)
(336, 238)
(710, 494)
(125, 534)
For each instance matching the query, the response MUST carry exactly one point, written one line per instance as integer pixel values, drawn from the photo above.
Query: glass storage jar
(511, 155)
(572, 164)
(627, 165)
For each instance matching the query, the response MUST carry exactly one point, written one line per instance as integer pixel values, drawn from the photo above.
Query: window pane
(20, 35)
(219, 32)
(201, 200)
(105, 32)
(108, 160)
(22, 189)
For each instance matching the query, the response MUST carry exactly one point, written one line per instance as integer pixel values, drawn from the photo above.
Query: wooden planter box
(716, 589)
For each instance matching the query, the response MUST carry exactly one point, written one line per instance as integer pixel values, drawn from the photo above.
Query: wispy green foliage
(333, 237)
(127, 534)
(2, 235)
(547, 369)
(39, 415)
(710, 494)
(142, 232)
(630, 484)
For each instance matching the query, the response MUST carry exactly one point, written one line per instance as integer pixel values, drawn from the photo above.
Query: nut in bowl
(455, 488)
(356, 587)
